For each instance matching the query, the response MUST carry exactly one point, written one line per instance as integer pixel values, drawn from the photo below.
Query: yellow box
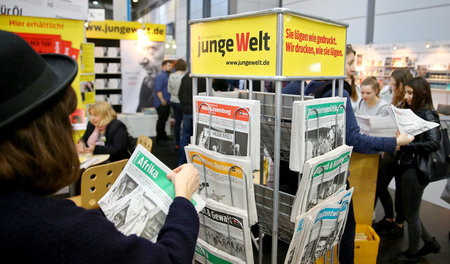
(366, 251)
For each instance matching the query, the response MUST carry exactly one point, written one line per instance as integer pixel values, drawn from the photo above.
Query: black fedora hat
(30, 82)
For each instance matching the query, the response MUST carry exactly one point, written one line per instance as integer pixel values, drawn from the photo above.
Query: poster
(141, 62)
(87, 88)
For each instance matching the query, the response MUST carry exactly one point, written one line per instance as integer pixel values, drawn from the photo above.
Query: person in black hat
(38, 157)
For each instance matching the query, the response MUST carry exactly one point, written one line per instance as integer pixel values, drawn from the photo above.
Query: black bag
(435, 166)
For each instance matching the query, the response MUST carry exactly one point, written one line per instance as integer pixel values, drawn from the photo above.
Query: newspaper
(403, 120)
(236, 190)
(318, 126)
(226, 229)
(139, 199)
(319, 229)
(207, 254)
(322, 177)
(228, 126)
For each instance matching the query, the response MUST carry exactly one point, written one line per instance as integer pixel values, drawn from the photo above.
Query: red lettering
(243, 43)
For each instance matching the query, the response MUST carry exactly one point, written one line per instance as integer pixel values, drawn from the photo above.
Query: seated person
(105, 134)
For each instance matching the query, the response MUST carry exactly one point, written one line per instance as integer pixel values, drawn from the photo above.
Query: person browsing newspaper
(38, 157)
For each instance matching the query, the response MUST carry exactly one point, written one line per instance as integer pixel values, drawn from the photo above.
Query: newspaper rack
(273, 207)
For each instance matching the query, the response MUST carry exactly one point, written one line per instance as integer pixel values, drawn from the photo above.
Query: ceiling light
(174, 46)
(427, 45)
(95, 2)
(394, 47)
(135, 1)
(167, 46)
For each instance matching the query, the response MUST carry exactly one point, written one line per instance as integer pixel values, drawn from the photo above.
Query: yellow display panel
(239, 46)
(110, 29)
(312, 48)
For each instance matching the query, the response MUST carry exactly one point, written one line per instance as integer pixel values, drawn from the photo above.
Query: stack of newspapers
(139, 200)
(322, 177)
(225, 150)
(319, 229)
(228, 126)
(318, 126)
(225, 234)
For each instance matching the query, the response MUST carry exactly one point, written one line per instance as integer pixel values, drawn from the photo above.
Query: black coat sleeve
(116, 141)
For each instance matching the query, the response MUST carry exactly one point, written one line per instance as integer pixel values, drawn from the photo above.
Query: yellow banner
(110, 29)
(312, 48)
(240, 46)
(215, 166)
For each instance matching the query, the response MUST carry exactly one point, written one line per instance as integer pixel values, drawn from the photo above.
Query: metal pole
(250, 89)
(277, 139)
(276, 180)
(302, 90)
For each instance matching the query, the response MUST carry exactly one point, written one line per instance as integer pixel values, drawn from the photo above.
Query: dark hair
(354, 96)
(421, 94)
(401, 76)
(166, 62)
(180, 65)
(41, 156)
(372, 81)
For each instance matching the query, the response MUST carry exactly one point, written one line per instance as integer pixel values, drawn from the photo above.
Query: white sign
(71, 9)
(96, 14)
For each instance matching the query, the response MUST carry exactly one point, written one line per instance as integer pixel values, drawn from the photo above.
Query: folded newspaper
(318, 126)
(319, 229)
(139, 199)
(405, 120)
(226, 229)
(225, 179)
(322, 177)
(228, 126)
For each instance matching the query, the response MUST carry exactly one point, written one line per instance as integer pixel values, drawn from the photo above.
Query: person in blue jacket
(38, 158)
(361, 143)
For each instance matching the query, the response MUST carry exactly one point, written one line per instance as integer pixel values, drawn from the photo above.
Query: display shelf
(107, 52)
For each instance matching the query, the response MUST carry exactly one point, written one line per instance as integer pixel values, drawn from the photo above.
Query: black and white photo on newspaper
(225, 179)
(322, 177)
(227, 229)
(319, 229)
(318, 126)
(228, 126)
(139, 200)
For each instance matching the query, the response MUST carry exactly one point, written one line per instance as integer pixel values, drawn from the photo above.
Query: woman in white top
(173, 87)
(371, 104)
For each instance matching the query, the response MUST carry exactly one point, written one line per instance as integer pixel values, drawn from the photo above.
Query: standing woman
(355, 95)
(105, 134)
(371, 104)
(173, 87)
(413, 181)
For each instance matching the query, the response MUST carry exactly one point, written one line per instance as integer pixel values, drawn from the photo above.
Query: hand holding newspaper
(139, 199)
(405, 120)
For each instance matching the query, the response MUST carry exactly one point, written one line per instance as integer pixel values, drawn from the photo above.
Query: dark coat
(185, 93)
(38, 229)
(116, 140)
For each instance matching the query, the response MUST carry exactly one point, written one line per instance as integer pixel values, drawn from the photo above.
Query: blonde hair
(105, 111)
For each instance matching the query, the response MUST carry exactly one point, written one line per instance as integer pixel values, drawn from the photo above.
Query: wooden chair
(145, 141)
(96, 181)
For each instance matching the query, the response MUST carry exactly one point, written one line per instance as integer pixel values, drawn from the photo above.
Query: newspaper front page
(228, 126)
(319, 229)
(410, 123)
(227, 229)
(318, 126)
(139, 199)
(222, 179)
(322, 177)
